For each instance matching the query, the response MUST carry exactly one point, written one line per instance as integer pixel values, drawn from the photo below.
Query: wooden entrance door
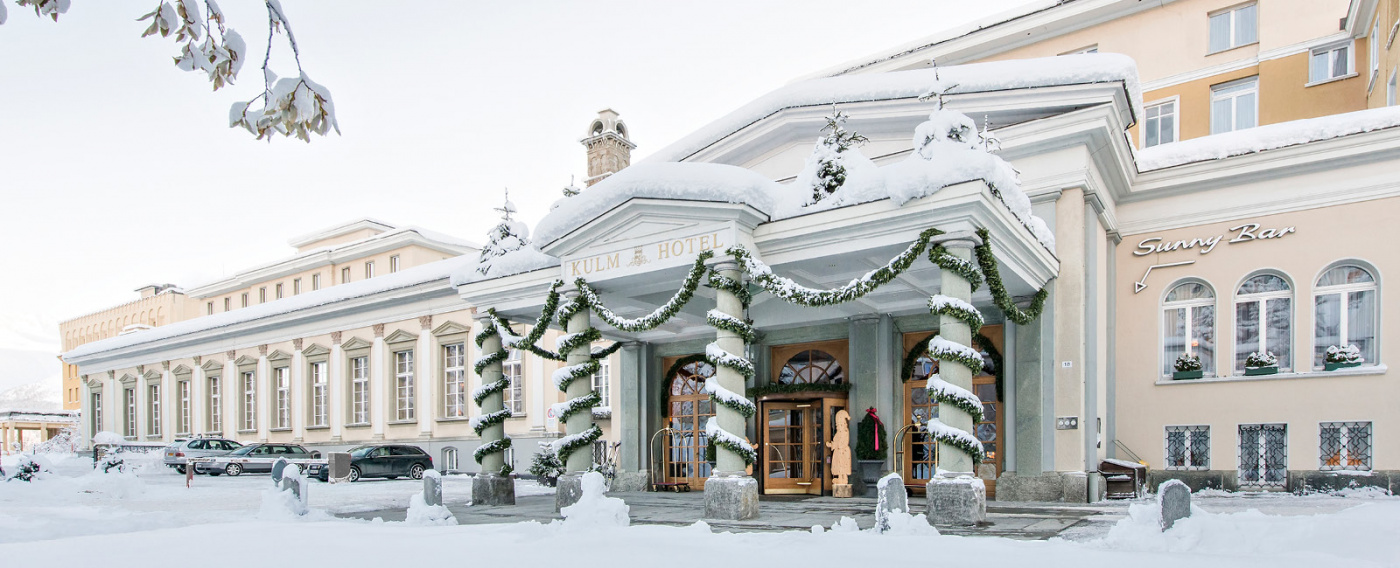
(920, 453)
(688, 408)
(989, 430)
(794, 447)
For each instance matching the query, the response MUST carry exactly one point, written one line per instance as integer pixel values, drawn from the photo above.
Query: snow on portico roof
(977, 77)
(405, 278)
(1269, 137)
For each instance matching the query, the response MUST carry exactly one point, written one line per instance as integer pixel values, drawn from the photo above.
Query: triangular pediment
(278, 355)
(244, 360)
(150, 375)
(647, 221)
(401, 336)
(315, 350)
(127, 379)
(450, 327)
(211, 366)
(647, 227)
(356, 343)
(182, 369)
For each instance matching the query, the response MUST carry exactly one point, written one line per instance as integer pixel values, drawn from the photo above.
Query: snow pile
(279, 503)
(594, 509)
(1269, 137)
(897, 521)
(1360, 535)
(692, 181)
(524, 259)
(420, 513)
(105, 437)
(973, 78)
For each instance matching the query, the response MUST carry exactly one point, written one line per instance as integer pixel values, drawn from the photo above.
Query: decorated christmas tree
(507, 236)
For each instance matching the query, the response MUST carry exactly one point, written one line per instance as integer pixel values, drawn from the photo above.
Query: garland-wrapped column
(578, 423)
(490, 486)
(955, 495)
(730, 493)
(576, 412)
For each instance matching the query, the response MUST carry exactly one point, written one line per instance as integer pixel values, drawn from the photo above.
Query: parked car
(181, 450)
(391, 461)
(258, 458)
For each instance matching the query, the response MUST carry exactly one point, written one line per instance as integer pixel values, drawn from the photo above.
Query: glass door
(794, 455)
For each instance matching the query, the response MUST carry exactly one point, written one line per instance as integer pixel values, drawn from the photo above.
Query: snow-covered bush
(1343, 355)
(546, 465)
(1258, 360)
(1187, 362)
(66, 442)
(27, 470)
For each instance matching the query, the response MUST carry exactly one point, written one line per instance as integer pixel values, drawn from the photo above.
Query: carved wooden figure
(840, 448)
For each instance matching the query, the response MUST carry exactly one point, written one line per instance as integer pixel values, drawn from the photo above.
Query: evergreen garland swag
(485, 421)
(491, 447)
(967, 445)
(796, 388)
(1002, 299)
(567, 445)
(870, 435)
(589, 297)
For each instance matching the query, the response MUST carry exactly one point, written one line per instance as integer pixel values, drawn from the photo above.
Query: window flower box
(1259, 371)
(1187, 366)
(1342, 357)
(1335, 366)
(1181, 375)
(1256, 364)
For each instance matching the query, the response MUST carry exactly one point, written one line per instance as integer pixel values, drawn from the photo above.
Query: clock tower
(609, 149)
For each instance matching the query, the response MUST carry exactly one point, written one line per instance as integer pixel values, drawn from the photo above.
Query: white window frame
(345, 275)
(1233, 97)
(1375, 48)
(296, 286)
(282, 376)
(454, 380)
(602, 385)
(513, 398)
(153, 409)
(393, 264)
(403, 385)
(316, 281)
(183, 425)
(1175, 102)
(1346, 427)
(319, 393)
(1344, 325)
(97, 412)
(1262, 298)
(129, 397)
(359, 390)
(248, 381)
(209, 308)
(216, 400)
(1331, 51)
(369, 269)
(278, 288)
(1232, 13)
(1209, 367)
(1390, 87)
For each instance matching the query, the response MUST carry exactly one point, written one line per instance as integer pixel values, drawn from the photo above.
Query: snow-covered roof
(689, 181)
(406, 278)
(29, 415)
(338, 230)
(1262, 138)
(977, 77)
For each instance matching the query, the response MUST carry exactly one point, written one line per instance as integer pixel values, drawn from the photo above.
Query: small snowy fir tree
(507, 236)
(546, 465)
(828, 155)
(571, 190)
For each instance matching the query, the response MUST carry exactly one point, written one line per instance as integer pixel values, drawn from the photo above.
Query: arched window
(1188, 325)
(812, 366)
(1264, 320)
(1345, 304)
(449, 459)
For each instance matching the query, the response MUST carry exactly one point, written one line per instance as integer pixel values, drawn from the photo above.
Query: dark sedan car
(391, 461)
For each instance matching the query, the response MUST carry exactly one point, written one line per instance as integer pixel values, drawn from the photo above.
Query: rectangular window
(216, 422)
(1375, 44)
(315, 281)
(1345, 446)
(393, 264)
(345, 275)
(153, 410)
(1331, 62)
(1234, 27)
(1234, 105)
(600, 384)
(1160, 127)
(279, 290)
(130, 396)
(184, 418)
(318, 393)
(250, 400)
(1263, 455)
(454, 380)
(296, 286)
(262, 295)
(283, 376)
(403, 384)
(515, 393)
(1390, 89)
(228, 304)
(209, 309)
(1188, 447)
(96, 412)
(369, 269)
(359, 390)
(245, 300)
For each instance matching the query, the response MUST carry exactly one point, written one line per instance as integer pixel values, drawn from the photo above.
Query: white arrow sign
(1141, 285)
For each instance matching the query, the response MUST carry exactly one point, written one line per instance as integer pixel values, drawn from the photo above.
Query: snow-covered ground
(75, 517)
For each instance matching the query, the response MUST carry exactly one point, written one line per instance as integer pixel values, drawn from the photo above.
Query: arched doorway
(687, 410)
(798, 410)
(920, 453)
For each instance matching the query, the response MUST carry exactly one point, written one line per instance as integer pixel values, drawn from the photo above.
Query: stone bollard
(893, 498)
(277, 468)
(432, 488)
(1174, 498)
(956, 499)
(338, 463)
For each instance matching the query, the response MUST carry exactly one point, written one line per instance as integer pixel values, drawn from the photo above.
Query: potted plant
(871, 447)
(1342, 357)
(1260, 364)
(1188, 366)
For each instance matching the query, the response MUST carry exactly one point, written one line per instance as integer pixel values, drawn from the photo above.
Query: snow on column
(954, 338)
(730, 493)
(578, 423)
(490, 398)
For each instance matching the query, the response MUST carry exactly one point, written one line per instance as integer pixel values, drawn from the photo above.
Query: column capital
(482, 316)
(727, 264)
(865, 318)
(632, 345)
(570, 293)
(957, 239)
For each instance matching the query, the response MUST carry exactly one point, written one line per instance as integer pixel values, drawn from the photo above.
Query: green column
(582, 459)
(954, 285)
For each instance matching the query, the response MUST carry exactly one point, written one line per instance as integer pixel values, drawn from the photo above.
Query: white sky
(117, 169)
